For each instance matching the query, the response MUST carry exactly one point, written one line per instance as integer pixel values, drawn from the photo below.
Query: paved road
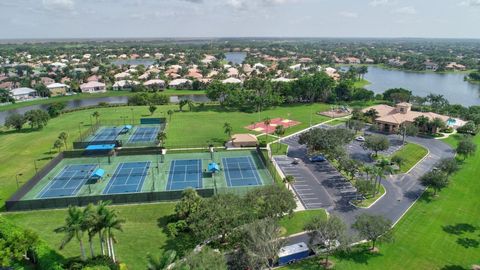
(402, 190)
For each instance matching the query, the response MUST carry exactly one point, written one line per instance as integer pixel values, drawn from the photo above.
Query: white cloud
(59, 4)
(349, 14)
(248, 4)
(376, 3)
(409, 10)
(470, 3)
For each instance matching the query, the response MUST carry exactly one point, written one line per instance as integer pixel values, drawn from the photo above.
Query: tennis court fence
(263, 154)
(128, 198)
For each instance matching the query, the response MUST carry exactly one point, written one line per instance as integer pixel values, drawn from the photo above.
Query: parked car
(295, 161)
(360, 139)
(292, 253)
(318, 158)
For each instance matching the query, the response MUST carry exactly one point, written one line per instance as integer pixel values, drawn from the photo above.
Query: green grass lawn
(169, 92)
(337, 122)
(144, 232)
(361, 83)
(187, 129)
(453, 140)
(411, 153)
(437, 233)
(278, 149)
(295, 223)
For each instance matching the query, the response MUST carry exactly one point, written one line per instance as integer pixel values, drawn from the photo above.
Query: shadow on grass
(14, 131)
(468, 242)
(359, 255)
(459, 228)
(453, 267)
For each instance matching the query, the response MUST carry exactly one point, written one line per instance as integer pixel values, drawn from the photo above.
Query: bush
(55, 109)
(95, 263)
(468, 128)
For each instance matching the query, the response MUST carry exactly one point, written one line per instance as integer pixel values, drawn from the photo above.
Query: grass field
(437, 233)
(411, 154)
(295, 223)
(361, 83)
(144, 231)
(169, 92)
(199, 128)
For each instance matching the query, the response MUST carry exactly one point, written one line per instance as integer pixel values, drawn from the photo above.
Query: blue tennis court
(184, 174)
(107, 134)
(68, 182)
(241, 171)
(128, 178)
(144, 134)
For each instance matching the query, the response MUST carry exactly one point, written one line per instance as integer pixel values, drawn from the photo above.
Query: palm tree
(421, 122)
(96, 114)
(279, 131)
(58, 144)
(267, 122)
(162, 262)
(112, 223)
(100, 213)
(161, 137)
(191, 105)
(63, 136)
(170, 113)
(74, 227)
(369, 171)
(385, 168)
(227, 129)
(289, 180)
(89, 219)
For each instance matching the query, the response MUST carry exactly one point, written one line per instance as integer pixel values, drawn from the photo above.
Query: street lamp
(16, 178)
(80, 130)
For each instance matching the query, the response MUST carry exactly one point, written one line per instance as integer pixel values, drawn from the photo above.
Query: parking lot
(356, 151)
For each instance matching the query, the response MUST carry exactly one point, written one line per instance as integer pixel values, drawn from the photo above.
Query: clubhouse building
(391, 118)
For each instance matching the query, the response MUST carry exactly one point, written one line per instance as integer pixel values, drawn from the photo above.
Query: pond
(78, 103)
(235, 57)
(451, 85)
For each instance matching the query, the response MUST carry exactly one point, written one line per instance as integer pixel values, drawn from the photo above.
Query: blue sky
(233, 18)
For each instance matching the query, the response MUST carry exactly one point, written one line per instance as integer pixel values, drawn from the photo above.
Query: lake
(235, 57)
(451, 85)
(72, 104)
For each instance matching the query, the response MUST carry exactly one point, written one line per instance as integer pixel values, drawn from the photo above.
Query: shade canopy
(213, 167)
(98, 173)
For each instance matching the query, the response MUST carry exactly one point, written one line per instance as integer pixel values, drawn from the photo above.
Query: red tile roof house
(390, 119)
(93, 87)
(155, 84)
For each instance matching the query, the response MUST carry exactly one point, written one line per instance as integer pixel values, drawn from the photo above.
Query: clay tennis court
(261, 127)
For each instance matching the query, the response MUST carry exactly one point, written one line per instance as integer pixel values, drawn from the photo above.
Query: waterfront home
(122, 76)
(180, 84)
(352, 60)
(155, 84)
(23, 93)
(455, 66)
(124, 85)
(390, 119)
(93, 87)
(429, 65)
(58, 89)
(232, 80)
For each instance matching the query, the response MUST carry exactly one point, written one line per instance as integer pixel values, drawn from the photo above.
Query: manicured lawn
(278, 149)
(411, 154)
(361, 83)
(453, 140)
(144, 232)
(295, 223)
(437, 233)
(187, 129)
(337, 122)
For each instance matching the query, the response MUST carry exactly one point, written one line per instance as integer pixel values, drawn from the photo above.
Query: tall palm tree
(289, 180)
(191, 105)
(170, 113)
(96, 114)
(74, 227)
(63, 136)
(227, 129)
(267, 121)
(279, 131)
(112, 224)
(161, 137)
(162, 262)
(100, 212)
(89, 224)
(384, 169)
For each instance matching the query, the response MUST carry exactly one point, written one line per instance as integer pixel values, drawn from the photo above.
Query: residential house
(232, 80)
(429, 65)
(23, 93)
(93, 87)
(305, 60)
(232, 72)
(180, 84)
(44, 81)
(9, 85)
(155, 84)
(58, 89)
(390, 119)
(296, 67)
(124, 85)
(282, 79)
(122, 76)
(352, 60)
(455, 66)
